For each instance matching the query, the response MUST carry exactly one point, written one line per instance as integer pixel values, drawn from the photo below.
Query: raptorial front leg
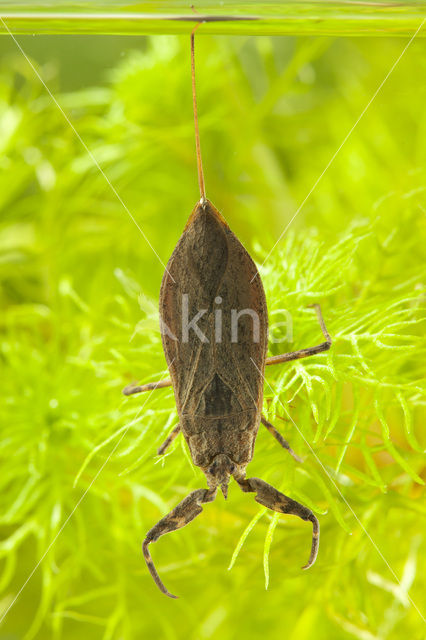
(168, 441)
(310, 351)
(274, 499)
(182, 514)
(279, 438)
(151, 386)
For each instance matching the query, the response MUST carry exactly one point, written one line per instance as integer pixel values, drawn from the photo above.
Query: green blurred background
(79, 290)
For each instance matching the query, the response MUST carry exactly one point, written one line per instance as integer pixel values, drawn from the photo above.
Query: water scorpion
(217, 362)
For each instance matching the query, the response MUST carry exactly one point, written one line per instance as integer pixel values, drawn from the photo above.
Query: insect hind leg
(142, 388)
(274, 499)
(182, 514)
(310, 351)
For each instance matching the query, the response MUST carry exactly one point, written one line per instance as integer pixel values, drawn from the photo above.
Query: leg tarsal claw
(315, 542)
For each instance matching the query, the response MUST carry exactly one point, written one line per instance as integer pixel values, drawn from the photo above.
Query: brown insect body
(218, 382)
(215, 336)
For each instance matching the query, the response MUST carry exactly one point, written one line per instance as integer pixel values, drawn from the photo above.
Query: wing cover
(213, 375)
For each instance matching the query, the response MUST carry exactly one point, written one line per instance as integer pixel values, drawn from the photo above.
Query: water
(243, 18)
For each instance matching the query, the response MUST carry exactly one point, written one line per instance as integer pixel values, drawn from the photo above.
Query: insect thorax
(233, 435)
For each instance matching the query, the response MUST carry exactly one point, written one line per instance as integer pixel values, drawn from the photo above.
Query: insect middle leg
(279, 437)
(274, 499)
(168, 441)
(182, 514)
(310, 351)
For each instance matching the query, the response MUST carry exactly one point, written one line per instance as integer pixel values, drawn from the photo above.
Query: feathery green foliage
(79, 288)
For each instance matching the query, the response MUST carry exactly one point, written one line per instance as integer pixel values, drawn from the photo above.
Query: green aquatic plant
(79, 476)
